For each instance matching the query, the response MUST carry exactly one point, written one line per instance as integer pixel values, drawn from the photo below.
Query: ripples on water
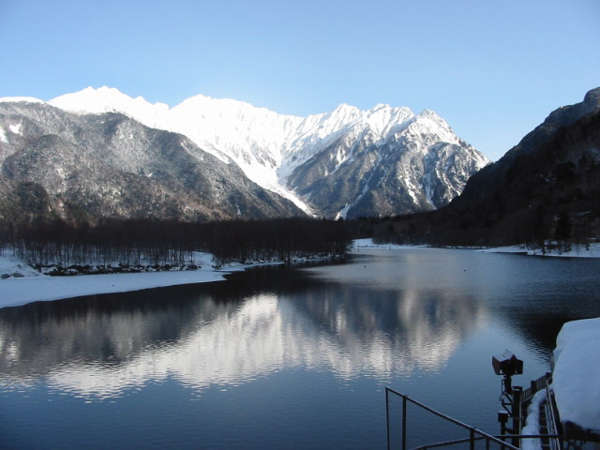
(260, 358)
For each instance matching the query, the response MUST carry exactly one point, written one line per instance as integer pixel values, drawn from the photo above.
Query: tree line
(138, 242)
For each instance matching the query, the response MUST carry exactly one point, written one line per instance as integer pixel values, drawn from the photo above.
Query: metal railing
(551, 421)
(480, 438)
(474, 433)
(536, 385)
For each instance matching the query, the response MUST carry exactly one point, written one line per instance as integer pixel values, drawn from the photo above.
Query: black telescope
(508, 366)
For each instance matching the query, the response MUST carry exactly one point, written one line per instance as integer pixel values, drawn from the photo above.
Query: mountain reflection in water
(231, 333)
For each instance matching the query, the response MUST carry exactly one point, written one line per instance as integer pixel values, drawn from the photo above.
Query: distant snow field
(576, 251)
(366, 243)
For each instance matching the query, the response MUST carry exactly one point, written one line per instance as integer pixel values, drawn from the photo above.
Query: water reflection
(231, 333)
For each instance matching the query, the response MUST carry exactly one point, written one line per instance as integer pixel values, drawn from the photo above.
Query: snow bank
(576, 375)
(20, 291)
(533, 422)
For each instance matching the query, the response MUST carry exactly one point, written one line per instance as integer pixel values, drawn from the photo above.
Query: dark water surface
(286, 359)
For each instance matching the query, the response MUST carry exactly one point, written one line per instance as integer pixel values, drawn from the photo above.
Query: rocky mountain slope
(546, 187)
(85, 167)
(345, 163)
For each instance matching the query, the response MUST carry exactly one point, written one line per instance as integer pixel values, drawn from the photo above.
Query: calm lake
(280, 358)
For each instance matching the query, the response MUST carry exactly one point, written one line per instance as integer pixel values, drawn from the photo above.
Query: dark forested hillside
(546, 187)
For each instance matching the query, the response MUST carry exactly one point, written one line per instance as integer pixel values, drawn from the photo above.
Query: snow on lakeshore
(34, 287)
(20, 291)
(11, 266)
(576, 251)
(358, 244)
(576, 375)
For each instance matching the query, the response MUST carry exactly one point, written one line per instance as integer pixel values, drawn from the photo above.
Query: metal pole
(387, 417)
(516, 410)
(403, 423)
(472, 439)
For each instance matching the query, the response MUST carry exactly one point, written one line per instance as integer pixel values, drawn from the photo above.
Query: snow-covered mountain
(345, 163)
(84, 168)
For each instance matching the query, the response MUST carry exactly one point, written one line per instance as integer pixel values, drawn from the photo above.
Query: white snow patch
(17, 291)
(533, 422)
(15, 128)
(3, 137)
(367, 243)
(343, 212)
(576, 375)
(506, 249)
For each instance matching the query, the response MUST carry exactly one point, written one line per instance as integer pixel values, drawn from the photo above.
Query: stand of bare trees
(160, 243)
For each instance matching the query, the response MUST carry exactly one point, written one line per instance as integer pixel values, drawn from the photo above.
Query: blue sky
(494, 70)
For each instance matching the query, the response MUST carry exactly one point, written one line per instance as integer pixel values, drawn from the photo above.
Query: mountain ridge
(277, 151)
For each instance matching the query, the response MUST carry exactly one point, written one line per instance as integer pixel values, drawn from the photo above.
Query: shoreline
(35, 287)
(576, 251)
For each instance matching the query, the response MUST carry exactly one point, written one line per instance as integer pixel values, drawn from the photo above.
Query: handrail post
(387, 416)
(472, 439)
(516, 410)
(403, 422)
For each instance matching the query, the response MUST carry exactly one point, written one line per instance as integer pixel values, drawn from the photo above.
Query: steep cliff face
(85, 167)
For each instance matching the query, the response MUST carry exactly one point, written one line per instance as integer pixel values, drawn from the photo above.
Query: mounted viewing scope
(508, 366)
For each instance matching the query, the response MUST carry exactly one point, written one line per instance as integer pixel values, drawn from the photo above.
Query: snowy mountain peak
(429, 114)
(345, 110)
(106, 99)
(20, 99)
(271, 148)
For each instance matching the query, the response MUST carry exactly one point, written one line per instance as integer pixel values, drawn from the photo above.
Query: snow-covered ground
(33, 286)
(576, 375)
(576, 251)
